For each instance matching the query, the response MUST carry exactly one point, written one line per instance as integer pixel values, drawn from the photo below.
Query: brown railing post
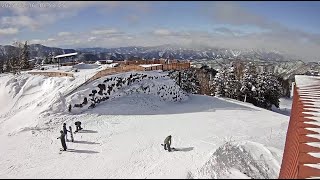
(296, 151)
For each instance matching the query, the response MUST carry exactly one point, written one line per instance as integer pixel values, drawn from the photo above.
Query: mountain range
(276, 62)
(164, 51)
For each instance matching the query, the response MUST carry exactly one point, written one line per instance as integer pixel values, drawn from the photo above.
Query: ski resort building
(65, 58)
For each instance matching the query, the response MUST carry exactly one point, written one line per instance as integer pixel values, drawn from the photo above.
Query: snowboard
(68, 150)
(172, 148)
(71, 134)
(78, 131)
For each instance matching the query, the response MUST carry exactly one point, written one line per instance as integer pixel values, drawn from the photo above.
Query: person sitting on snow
(78, 126)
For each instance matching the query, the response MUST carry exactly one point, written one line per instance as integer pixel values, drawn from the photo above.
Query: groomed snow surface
(214, 137)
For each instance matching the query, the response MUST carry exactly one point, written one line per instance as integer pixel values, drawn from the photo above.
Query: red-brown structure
(296, 156)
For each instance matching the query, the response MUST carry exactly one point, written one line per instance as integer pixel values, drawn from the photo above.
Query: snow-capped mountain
(164, 51)
(272, 60)
(36, 50)
(185, 53)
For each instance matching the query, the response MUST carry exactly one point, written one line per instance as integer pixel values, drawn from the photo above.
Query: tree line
(261, 89)
(15, 59)
(240, 82)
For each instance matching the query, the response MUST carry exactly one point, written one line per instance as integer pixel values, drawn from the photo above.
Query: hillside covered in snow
(122, 136)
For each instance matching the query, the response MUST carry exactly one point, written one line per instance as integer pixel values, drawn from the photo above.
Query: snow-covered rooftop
(149, 65)
(66, 55)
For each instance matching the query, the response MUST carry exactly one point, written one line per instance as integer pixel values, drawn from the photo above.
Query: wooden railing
(132, 67)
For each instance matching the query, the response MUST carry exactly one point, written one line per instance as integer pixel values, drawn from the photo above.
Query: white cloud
(92, 38)
(36, 41)
(19, 21)
(37, 14)
(64, 33)
(296, 43)
(105, 31)
(8, 31)
(227, 12)
(162, 32)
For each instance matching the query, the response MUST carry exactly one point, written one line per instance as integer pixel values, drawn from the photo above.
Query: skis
(78, 130)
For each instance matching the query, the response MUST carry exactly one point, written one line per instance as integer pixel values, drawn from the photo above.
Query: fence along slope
(299, 160)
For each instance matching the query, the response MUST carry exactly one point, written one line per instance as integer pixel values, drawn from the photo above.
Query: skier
(70, 130)
(78, 126)
(69, 108)
(63, 142)
(65, 131)
(167, 143)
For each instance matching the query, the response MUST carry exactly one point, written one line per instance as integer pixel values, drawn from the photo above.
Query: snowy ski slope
(216, 138)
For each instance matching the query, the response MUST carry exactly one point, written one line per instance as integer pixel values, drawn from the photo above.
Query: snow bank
(105, 89)
(24, 97)
(284, 106)
(86, 66)
(241, 159)
(44, 96)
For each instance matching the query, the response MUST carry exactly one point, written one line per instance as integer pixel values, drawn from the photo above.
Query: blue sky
(273, 25)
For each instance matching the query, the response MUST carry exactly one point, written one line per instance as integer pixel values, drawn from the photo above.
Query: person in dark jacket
(78, 126)
(69, 109)
(65, 131)
(167, 143)
(62, 139)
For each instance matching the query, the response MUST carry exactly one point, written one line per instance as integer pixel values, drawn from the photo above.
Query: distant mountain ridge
(184, 53)
(163, 51)
(275, 62)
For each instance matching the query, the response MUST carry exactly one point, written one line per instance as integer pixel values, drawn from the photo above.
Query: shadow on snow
(141, 104)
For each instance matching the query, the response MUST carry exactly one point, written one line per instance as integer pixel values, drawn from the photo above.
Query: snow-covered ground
(284, 106)
(214, 137)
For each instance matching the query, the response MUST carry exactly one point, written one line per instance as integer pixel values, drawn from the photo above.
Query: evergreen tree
(267, 91)
(13, 59)
(248, 82)
(25, 57)
(232, 85)
(6, 66)
(45, 61)
(220, 82)
(189, 80)
(1, 66)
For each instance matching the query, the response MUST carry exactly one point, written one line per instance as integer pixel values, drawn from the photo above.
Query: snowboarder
(69, 108)
(63, 142)
(65, 131)
(167, 143)
(70, 130)
(78, 126)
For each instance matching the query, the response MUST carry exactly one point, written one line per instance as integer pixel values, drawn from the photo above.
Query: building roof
(66, 55)
(149, 65)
